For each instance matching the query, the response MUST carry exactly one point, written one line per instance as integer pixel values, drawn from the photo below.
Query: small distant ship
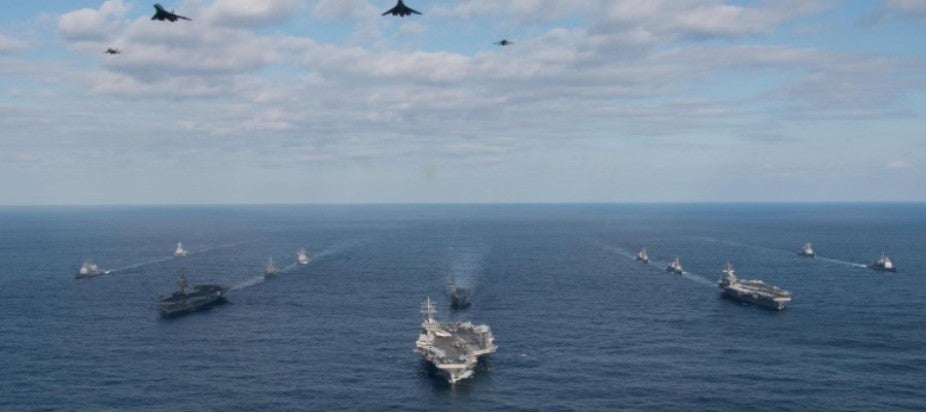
(883, 264)
(675, 267)
(270, 271)
(453, 348)
(642, 256)
(752, 291)
(459, 295)
(89, 270)
(180, 251)
(806, 251)
(189, 299)
(302, 258)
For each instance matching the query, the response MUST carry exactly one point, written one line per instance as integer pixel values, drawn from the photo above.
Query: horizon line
(700, 202)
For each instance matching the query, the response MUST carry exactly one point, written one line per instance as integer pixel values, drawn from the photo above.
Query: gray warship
(883, 264)
(191, 298)
(752, 291)
(806, 251)
(459, 295)
(642, 256)
(675, 267)
(270, 271)
(89, 270)
(453, 348)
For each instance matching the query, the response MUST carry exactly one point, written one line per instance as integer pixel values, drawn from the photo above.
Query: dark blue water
(579, 325)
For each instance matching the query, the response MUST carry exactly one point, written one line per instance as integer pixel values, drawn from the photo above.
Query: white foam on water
(249, 282)
(698, 278)
(841, 262)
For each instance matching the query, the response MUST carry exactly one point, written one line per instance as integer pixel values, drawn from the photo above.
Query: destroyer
(459, 295)
(453, 348)
(302, 258)
(642, 256)
(752, 291)
(89, 270)
(883, 264)
(675, 267)
(180, 251)
(270, 271)
(806, 251)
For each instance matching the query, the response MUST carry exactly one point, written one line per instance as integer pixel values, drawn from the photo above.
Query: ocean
(580, 326)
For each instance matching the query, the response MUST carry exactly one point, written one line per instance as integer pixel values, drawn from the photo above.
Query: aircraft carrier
(752, 291)
(191, 298)
(453, 348)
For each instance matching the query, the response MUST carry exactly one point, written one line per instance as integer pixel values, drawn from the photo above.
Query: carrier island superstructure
(453, 348)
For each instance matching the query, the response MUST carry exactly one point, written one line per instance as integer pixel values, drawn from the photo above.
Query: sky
(327, 101)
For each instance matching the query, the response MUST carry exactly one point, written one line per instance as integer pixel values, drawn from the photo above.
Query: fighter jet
(503, 42)
(161, 14)
(401, 10)
(112, 51)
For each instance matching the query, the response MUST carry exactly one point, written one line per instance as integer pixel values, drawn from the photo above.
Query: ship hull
(753, 299)
(88, 275)
(184, 309)
(806, 255)
(674, 270)
(879, 268)
(459, 303)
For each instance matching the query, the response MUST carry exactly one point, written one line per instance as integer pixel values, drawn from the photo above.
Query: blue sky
(326, 101)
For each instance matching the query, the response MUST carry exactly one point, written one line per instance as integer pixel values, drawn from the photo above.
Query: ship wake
(256, 280)
(189, 253)
(841, 262)
(790, 252)
(655, 264)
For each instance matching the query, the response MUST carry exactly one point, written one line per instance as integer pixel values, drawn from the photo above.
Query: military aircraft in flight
(161, 14)
(112, 51)
(504, 42)
(401, 10)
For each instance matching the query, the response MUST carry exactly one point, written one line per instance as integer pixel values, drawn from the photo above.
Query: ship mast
(181, 270)
(428, 310)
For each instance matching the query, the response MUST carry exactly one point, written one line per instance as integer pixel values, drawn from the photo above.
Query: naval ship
(675, 267)
(89, 270)
(883, 264)
(806, 251)
(642, 256)
(270, 271)
(459, 295)
(453, 348)
(752, 291)
(302, 258)
(180, 251)
(191, 298)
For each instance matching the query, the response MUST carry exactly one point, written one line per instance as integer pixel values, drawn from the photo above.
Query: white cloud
(340, 10)
(92, 24)
(8, 43)
(906, 6)
(251, 13)
(898, 165)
